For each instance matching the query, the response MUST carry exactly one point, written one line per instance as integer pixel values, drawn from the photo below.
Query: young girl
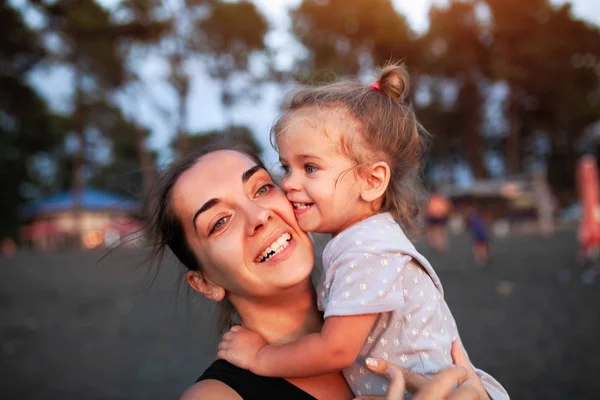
(351, 156)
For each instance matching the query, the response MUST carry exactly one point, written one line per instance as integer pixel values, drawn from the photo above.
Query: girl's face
(241, 227)
(321, 182)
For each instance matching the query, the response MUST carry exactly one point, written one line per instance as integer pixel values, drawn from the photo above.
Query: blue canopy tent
(52, 222)
(91, 199)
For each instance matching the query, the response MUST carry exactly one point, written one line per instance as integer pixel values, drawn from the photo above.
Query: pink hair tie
(375, 85)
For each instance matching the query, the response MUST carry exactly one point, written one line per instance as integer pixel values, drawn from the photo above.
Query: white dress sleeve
(361, 280)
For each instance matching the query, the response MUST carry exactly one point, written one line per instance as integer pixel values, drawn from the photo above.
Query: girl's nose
(290, 182)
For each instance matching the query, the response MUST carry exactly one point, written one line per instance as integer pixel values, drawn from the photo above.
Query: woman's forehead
(213, 174)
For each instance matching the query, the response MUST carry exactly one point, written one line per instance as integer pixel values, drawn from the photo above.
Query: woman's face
(241, 226)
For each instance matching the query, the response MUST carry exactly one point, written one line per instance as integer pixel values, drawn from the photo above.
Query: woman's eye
(264, 189)
(219, 224)
(310, 169)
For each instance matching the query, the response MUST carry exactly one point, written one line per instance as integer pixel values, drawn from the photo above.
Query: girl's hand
(443, 386)
(240, 346)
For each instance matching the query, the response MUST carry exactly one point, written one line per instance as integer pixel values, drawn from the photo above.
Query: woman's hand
(240, 346)
(461, 360)
(443, 386)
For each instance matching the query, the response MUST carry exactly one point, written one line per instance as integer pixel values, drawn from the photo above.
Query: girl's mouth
(301, 208)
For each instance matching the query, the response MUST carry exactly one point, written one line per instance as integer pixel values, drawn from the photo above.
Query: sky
(205, 111)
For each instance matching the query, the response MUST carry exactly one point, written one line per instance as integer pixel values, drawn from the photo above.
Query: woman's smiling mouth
(274, 248)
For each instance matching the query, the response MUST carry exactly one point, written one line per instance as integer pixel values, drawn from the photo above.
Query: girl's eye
(264, 189)
(310, 169)
(285, 169)
(219, 224)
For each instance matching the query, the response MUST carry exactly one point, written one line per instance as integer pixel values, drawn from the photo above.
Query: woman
(222, 216)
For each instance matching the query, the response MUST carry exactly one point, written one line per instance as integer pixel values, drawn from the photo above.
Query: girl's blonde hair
(387, 127)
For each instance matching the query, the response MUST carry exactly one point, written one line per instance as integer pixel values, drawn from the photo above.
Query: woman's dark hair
(165, 228)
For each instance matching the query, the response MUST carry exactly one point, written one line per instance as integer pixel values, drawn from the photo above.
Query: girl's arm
(334, 348)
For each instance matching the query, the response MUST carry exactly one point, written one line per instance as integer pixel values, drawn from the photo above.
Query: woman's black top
(251, 386)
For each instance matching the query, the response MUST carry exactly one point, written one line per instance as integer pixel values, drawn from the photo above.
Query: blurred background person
(589, 226)
(546, 204)
(438, 212)
(479, 235)
(9, 247)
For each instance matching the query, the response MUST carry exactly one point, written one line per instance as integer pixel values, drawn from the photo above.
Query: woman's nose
(257, 217)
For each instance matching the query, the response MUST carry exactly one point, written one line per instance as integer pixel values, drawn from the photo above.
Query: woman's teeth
(275, 247)
(301, 206)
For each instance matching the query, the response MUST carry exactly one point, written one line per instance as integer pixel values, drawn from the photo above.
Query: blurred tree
(233, 33)
(82, 35)
(517, 42)
(440, 119)
(550, 62)
(112, 154)
(121, 173)
(223, 35)
(456, 48)
(150, 15)
(350, 37)
(27, 128)
(569, 97)
(87, 44)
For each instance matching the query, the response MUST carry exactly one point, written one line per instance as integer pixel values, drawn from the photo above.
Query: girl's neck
(284, 319)
(358, 218)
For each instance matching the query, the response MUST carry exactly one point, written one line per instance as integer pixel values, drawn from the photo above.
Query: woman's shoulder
(210, 389)
(214, 383)
(222, 380)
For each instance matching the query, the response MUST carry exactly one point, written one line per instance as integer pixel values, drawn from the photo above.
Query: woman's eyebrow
(208, 205)
(248, 174)
(213, 202)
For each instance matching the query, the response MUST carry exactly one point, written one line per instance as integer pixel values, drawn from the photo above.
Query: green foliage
(348, 37)
(27, 127)
(20, 47)
(234, 31)
(455, 45)
(224, 35)
(548, 59)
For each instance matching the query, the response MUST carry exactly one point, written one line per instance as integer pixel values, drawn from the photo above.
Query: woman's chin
(296, 273)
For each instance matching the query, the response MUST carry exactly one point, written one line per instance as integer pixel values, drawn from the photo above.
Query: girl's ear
(377, 179)
(199, 283)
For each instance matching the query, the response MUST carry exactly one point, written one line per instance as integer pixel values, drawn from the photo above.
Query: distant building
(496, 198)
(102, 220)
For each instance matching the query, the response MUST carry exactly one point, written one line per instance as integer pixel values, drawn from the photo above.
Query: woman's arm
(334, 348)
(210, 389)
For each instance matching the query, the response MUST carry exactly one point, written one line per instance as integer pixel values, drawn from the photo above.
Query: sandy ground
(73, 327)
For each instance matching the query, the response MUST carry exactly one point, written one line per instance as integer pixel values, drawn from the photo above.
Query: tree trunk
(182, 142)
(182, 85)
(472, 108)
(146, 164)
(78, 126)
(513, 156)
